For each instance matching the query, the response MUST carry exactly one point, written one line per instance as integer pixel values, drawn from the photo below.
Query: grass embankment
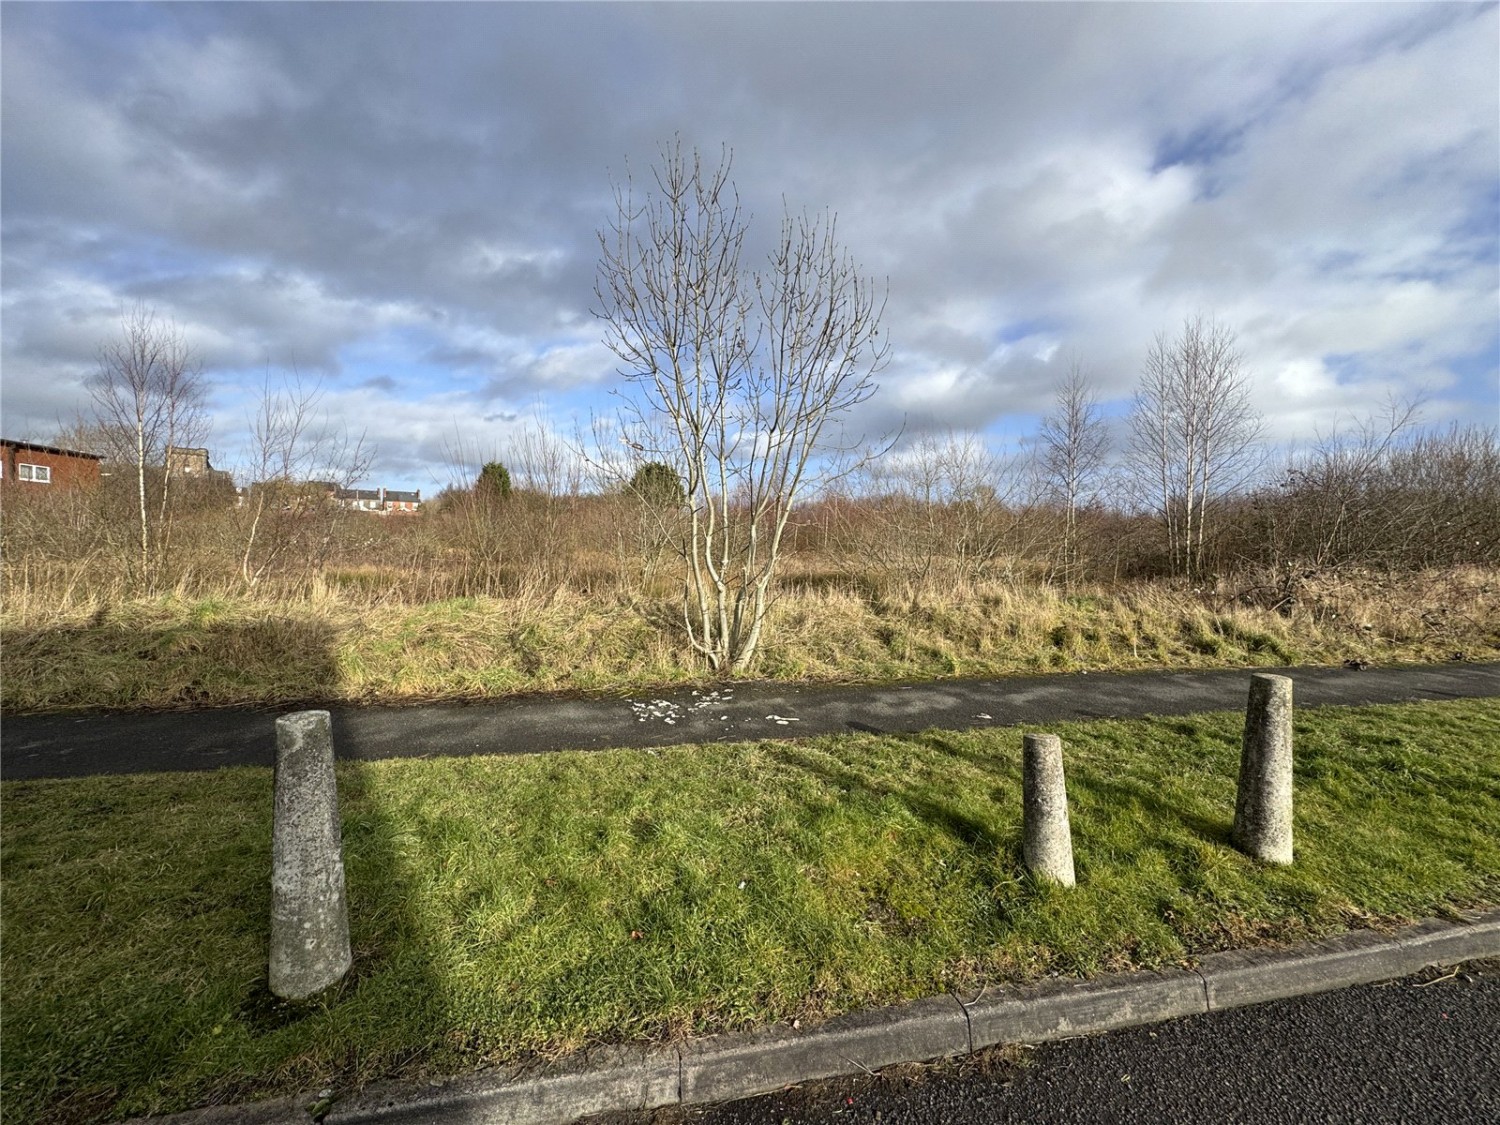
(174, 652)
(510, 906)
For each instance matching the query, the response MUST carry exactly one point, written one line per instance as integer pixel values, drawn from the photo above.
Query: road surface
(80, 744)
(1418, 1051)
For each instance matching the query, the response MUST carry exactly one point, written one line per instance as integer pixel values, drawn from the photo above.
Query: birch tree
(296, 454)
(148, 393)
(1073, 447)
(735, 379)
(1194, 434)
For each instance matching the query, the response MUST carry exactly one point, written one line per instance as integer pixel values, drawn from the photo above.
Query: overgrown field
(338, 644)
(507, 907)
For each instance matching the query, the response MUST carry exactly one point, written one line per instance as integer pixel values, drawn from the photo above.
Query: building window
(41, 474)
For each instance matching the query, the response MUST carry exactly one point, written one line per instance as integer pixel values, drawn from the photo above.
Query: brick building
(380, 500)
(32, 465)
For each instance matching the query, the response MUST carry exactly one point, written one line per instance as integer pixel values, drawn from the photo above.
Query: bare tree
(1194, 434)
(296, 456)
(1074, 444)
(1385, 493)
(548, 474)
(945, 509)
(148, 394)
(1335, 492)
(735, 380)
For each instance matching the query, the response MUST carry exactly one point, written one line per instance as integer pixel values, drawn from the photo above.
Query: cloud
(403, 199)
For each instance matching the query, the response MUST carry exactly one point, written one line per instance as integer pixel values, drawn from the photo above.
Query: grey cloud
(291, 181)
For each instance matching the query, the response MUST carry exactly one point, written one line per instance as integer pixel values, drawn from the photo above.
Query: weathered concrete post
(309, 917)
(1048, 846)
(1263, 806)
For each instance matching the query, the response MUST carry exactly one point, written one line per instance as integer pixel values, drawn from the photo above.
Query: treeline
(945, 513)
(1186, 491)
(1409, 500)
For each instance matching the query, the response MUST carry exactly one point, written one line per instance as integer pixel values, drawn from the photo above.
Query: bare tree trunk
(736, 377)
(140, 478)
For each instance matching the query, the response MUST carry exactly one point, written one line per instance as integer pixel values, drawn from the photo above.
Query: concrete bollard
(1049, 842)
(1263, 804)
(309, 917)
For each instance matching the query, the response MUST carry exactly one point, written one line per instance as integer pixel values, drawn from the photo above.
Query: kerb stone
(1436, 942)
(736, 1066)
(1253, 976)
(1059, 1009)
(601, 1080)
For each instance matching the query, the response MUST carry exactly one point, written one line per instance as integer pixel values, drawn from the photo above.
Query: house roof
(36, 448)
(377, 494)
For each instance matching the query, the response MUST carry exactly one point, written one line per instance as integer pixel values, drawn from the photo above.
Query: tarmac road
(80, 744)
(1417, 1051)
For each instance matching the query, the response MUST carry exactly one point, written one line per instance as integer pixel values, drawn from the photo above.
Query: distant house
(402, 501)
(379, 501)
(382, 501)
(27, 463)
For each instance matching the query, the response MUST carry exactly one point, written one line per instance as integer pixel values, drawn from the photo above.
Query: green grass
(506, 907)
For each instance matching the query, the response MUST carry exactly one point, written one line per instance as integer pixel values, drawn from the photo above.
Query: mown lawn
(513, 906)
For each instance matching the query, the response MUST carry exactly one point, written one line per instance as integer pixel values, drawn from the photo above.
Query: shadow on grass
(393, 982)
(941, 814)
(1174, 815)
(1162, 810)
(114, 662)
(171, 871)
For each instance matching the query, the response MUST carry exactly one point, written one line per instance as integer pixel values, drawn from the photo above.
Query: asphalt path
(81, 744)
(1417, 1051)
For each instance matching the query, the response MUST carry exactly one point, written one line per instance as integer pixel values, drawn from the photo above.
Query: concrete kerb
(734, 1066)
(596, 1081)
(739, 1065)
(1061, 1009)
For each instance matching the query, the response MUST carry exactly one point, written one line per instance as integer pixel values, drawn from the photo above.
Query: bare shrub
(947, 509)
(735, 380)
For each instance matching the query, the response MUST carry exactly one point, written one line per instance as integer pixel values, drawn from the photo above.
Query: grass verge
(178, 652)
(516, 906)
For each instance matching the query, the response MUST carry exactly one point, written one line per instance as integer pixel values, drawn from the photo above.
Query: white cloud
(407, 198)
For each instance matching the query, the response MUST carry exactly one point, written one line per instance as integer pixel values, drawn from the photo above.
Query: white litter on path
(665, 711)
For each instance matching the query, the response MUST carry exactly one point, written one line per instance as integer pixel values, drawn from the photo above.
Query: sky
(400, 203)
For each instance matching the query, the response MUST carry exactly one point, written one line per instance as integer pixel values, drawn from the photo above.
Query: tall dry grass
(334, 645)
(546, 593)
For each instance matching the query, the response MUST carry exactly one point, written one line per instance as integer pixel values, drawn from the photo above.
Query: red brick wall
(69, 470)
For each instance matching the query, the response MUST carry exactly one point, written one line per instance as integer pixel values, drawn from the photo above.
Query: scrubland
(583, 594)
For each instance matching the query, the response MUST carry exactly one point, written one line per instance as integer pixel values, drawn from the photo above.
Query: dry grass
(346, 641)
